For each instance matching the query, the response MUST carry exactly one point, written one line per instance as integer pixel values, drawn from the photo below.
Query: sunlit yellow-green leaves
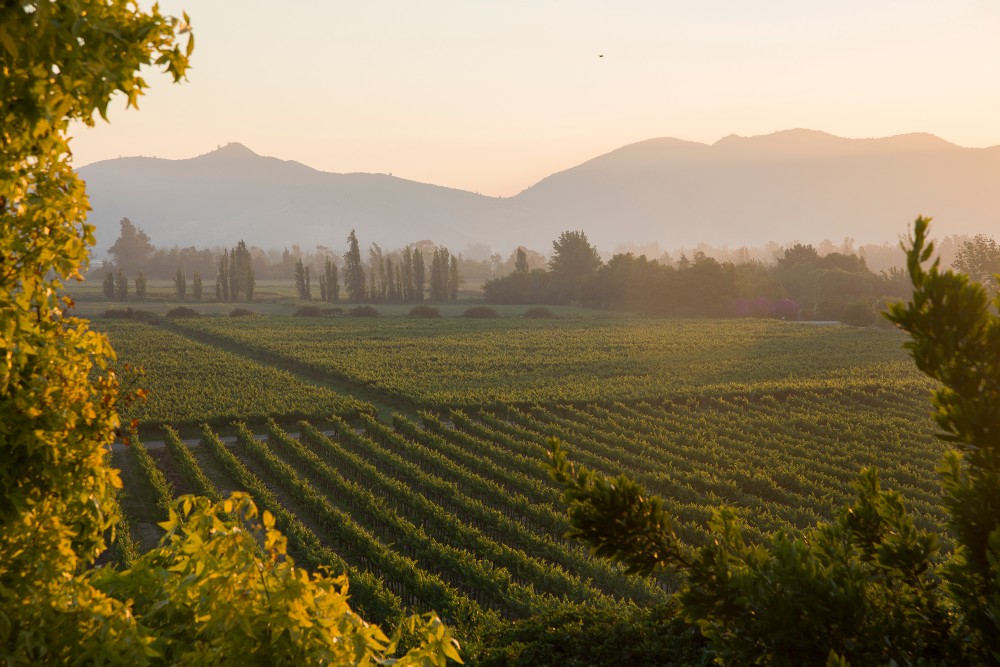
(208, 597)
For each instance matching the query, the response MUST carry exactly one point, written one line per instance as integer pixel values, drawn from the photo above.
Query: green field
(443, 500)
(189, 383)
(455, 361)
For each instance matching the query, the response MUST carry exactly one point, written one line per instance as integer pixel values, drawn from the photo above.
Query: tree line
(387, 277)
(800, 284)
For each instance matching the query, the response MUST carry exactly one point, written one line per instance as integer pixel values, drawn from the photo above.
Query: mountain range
(795, 185)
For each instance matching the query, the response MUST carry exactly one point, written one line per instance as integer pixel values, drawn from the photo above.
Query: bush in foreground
(242, 312)
(204, 596)
(538, 312)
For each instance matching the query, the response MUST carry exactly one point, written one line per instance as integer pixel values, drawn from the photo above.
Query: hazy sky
(491, 96)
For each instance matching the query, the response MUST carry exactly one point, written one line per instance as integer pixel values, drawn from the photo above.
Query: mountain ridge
(790, 185)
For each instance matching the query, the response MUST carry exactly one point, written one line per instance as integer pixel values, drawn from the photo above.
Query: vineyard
(461, 362)
(191, 383)
(447, 505)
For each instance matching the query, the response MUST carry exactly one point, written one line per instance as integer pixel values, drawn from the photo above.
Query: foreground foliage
(56, 494)
(866, 588)
(204, 597)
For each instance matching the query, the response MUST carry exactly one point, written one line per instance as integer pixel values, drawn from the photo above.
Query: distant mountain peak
(917, 141)
(804, 142)
(231, 151)
(798, 139)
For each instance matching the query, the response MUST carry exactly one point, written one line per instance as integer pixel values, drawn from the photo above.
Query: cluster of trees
(400, 277)
(396, 277)
(576, 275)
(180, 285)
(979, 259)
(115, 285)
(235, 276)
(801, 283)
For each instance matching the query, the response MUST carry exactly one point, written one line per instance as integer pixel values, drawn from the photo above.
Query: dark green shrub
(480, 312)
(241, 312)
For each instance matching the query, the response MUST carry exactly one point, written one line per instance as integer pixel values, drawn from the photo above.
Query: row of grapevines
(429, 591)
(607, 577)
(163, 493)
(188, 467)
(398, 482)
(775, 439)
(471, 482)
(478, 567)
(372, 597)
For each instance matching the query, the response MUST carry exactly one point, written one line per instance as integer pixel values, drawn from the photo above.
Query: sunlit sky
(492, 96)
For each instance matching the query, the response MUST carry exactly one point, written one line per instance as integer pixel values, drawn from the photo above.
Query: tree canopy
(979, 259)
(132, 247)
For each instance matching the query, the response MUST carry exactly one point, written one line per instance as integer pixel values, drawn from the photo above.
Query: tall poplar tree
(332, 280)
(409, 289)
(109, 285)
(521, 262)
(241, 272)
(140, 285)
(454, 280)
(354, 272)
(419, 277)
(300, 278)
(196, 286)
(222, 278)
(376, 263)
(180, 285)
(392, 295)
(121, 285)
